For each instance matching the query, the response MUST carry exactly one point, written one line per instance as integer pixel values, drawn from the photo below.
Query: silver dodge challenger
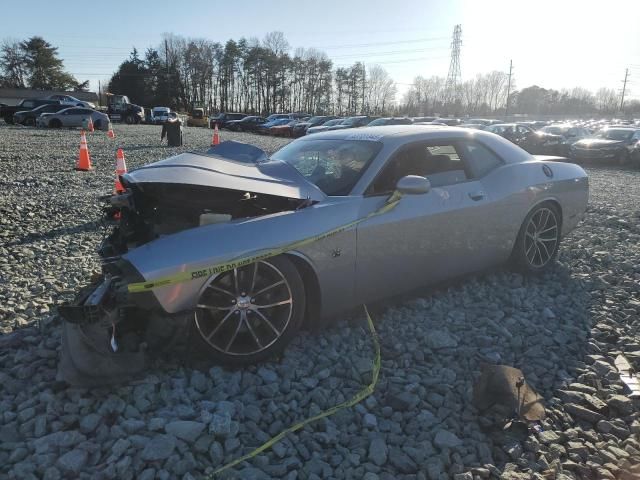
(316, 224)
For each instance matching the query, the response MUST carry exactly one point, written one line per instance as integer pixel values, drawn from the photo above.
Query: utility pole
(99, 94)
(506, 110)
(624, 88)
(364, 79)
(166, 56)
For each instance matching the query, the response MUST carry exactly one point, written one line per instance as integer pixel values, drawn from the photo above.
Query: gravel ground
(563, 329)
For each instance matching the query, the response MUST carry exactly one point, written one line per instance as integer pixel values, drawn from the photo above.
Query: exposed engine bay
(147, 211)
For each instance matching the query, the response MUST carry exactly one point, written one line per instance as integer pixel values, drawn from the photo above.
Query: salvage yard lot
(563, 329)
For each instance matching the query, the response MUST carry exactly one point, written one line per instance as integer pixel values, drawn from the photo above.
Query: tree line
(253, 76)
(266, 76)
(34, 63)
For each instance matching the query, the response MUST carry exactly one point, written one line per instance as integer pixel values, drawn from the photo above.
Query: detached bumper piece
(88, 341)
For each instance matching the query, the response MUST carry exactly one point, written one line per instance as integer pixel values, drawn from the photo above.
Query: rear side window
(28, 104)
(440, 163)
(480, 159)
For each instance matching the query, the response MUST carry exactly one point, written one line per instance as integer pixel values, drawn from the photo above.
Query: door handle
(476, 196)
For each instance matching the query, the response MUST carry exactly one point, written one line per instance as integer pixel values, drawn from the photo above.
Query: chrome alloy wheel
(246, 310)
(541, 237)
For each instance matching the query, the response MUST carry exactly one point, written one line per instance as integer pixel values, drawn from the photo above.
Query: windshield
(334, 166)
(315, 120)
(612, 134)
(331, 123)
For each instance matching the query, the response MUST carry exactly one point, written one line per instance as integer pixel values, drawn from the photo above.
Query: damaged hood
(230, 165)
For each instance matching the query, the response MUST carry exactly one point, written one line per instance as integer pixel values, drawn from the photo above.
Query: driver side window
(439, 162)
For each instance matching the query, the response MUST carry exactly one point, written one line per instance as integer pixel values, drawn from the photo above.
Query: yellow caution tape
(391, 202)
(357, 398)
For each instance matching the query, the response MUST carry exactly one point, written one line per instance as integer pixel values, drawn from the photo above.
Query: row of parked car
(300, 124)
(55, 111)
(616, 141)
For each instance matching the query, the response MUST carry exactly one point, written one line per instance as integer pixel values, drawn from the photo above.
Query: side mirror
(413, 185)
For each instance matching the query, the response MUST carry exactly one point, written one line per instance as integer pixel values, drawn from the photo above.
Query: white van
(160, 115)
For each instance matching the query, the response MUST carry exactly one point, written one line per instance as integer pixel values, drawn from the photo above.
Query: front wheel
(97, 124)
(249, 314)
(536, 246)
(55, 123)
(30, 122)
(128, 119)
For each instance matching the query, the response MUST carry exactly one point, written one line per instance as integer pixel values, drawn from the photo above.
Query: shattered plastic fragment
(628, 375)
(114, 343)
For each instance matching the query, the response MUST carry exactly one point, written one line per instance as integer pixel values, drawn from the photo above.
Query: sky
(553, 44)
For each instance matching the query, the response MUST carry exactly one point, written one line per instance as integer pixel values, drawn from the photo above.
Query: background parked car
(246, 124)
(473, 126)
(160, 115)
(325, 126)
(390, 121)
(570, 134)
(283, 130)
(28, 117)
(74, 117)
(265, 127)
(353, 122)
(7, 111)
(537, 143)
(221, 119)
(70, 101)
(617, 144)
(300, 128)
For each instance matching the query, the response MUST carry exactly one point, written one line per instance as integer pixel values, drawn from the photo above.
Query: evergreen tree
(45, 69)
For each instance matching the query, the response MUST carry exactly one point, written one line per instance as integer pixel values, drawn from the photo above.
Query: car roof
(398, 135)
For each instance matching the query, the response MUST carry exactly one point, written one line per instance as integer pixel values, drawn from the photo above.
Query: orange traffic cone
(90, 126)
(121, 168)
(84, 159)
(110, 132)
(216, 136)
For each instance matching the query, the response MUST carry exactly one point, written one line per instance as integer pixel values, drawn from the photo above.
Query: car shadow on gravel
(90, 226)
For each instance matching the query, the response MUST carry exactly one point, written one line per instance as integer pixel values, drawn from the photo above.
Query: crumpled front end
(107, 334)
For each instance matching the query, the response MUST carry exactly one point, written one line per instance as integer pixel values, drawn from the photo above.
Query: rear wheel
(249, 314)
(623, 158)
(30, 122)
(128, 119)
(536, 247)
(98, 125)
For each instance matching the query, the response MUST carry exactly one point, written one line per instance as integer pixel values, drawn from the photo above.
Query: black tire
(128, 119)
(623, 158)
(30, 122)
(55, 123)
(231, 320)
(98, 125)
(537, 244)
(8, 119)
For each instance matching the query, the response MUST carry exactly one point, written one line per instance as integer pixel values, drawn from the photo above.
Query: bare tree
(14, 64)
(380, 90)
(606, 100)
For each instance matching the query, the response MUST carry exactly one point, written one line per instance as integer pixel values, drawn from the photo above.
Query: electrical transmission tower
(452, 86)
